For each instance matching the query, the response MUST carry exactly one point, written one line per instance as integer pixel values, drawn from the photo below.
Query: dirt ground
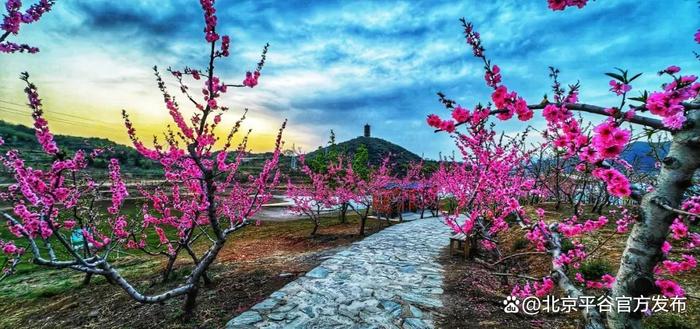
(255, 262)
(474, 299)
(474, 296)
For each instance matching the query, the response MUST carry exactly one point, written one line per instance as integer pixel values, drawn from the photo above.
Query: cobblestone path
(389, 280)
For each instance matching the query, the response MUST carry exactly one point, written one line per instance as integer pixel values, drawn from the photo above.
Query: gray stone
(309, 311)
(389, 305)
(416, 312)
(414, 323)
(270, 325)
(286, 308)
(278, 294)
(329, 322)
(392, 308)
(299, 322)
(421, 300)
(318, 273)
(245, 318)
(292, 315)
(266, 305)
(437, 291)
(277, 316)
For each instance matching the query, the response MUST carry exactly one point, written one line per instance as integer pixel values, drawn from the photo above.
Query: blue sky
(337, 65)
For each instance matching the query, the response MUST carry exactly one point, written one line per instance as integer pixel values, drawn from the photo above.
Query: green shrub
(566, 245)
(449, 204)
(595, 268)
(520, 243)
(511, 219)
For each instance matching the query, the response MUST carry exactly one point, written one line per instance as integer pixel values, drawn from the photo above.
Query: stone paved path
(388, 280)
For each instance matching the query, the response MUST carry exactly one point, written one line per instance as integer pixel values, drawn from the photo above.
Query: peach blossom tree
(201, 200)
(655, 225)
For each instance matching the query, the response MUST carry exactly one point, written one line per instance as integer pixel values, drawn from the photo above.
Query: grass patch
(669, 321)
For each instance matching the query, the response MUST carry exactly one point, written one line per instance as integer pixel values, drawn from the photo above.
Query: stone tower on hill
(367, 132)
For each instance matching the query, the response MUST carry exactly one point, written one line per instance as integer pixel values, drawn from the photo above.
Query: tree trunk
(313, 233)
(343, 213)
(86, 279)
(205, 275)
(643, 249)
(168, 268)
(190, 303)
(363, 220)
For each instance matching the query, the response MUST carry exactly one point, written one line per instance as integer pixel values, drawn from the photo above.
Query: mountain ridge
(377, 148)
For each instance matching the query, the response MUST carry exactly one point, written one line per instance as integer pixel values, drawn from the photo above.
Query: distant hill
(132, 163)
(377, 149)
(22, 138)
(642, 154)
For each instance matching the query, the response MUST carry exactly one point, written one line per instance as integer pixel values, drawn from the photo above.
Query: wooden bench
(462, 242)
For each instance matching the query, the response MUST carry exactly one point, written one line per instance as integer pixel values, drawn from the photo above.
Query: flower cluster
(617, 184)
(624, 221)
(251, 79)
(692, 205)
(217, 88)
(534, 288)
(15, 18)
(687, 263)
(606, 281)
(142, 149)
(41, 128)
(562, 4)
(668, 103)
(474, 40)
(11, 47)
(670, 288)
(609, 140)
(619, 88)
(572, 257)
(539, 235)
(118, 188)
(678, 229)
(8, 248)
(507, 104)
(225, 45)
(461, 114)
(570, 229)
(493, 76)
(555, 114)
(510, 104)
(209, 20)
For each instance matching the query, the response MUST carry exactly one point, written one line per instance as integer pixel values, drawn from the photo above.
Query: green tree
(360, 161)
(325, 157)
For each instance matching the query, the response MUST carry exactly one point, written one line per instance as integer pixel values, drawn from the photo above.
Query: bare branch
(666, 206)
(518, 255)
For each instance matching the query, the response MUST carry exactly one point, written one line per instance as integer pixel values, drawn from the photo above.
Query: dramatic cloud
(338, 65)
